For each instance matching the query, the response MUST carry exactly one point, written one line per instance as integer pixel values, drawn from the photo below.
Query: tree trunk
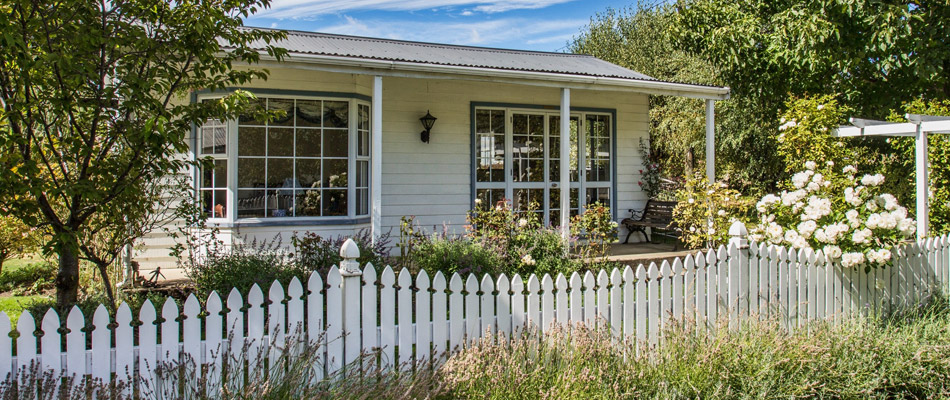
(67, 279)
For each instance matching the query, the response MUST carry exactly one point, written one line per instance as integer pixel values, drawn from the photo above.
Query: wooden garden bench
(657, 215)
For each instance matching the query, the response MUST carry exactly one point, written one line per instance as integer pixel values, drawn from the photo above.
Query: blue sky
(546, 25)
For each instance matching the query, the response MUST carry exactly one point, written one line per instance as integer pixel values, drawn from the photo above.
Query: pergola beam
(918, 126)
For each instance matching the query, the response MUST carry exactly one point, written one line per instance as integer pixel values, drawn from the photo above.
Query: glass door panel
(554, 202)
(554, 148)
(527, 148)
(490, 146)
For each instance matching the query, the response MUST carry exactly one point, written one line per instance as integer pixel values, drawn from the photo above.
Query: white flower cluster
(789, 124)
(846, 219)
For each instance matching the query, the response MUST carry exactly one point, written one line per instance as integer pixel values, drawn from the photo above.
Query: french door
(517, 157)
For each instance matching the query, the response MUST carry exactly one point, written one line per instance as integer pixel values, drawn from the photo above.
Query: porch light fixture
(427, 121)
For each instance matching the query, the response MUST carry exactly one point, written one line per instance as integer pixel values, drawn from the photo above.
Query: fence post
(738, 272)
(352, 281)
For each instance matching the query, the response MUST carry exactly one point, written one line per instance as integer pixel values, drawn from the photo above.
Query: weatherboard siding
(432, 181)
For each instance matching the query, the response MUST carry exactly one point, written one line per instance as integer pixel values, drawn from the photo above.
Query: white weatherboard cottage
(349, 154)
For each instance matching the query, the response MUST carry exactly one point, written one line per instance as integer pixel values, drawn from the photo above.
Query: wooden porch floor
(634, 254)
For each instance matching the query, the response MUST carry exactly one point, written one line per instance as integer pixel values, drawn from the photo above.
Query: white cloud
(310, 8)
(482, 33)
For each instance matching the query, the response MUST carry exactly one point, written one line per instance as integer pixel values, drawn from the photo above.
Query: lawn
(22, 282)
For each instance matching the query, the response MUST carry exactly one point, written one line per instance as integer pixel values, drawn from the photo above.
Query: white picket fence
(413, 317)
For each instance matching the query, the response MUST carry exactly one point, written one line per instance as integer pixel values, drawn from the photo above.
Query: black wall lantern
(427, 121)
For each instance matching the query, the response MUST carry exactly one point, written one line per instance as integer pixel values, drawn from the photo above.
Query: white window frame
(232, 160)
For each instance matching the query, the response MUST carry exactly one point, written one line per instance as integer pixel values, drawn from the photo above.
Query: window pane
(214, 137)
(309, 113)
(285, 105)
(255, 106)
(250, 203)
(601, 195)
(251, 141)
(280, 142)
(334, 202)
(498, 121)
(280, 203)
(482, 121)
(362, 201)
(362, 174)
(251, 173)
(280, 173)
(207, 176)
(308, 143)
(336, 114)
(335, 142)
(221, 173)
(308, 203)
(220, 204)
(308, 173)
(207, 202)
(364, 117)
(363, 146)
(334, 173)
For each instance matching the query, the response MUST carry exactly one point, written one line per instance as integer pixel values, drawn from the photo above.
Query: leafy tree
(639, 39)
(95, 111)
(16, 239)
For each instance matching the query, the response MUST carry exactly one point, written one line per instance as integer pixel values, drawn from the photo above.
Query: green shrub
(32, 278)
(455, 255)
(313, 252)
(599, 229)
(699, 203)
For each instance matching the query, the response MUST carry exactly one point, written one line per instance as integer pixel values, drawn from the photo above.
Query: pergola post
(565, 163)
(710, 140)
(376, 160)
(923, 207)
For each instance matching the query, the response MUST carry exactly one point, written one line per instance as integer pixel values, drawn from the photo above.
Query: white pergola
(917, 126)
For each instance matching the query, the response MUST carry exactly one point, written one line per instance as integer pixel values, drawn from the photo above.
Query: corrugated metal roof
(453, 55)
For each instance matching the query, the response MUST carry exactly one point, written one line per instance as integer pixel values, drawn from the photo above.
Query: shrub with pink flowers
(847, 218)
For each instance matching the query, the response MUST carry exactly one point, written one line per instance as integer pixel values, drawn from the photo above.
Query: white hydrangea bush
(846, 218)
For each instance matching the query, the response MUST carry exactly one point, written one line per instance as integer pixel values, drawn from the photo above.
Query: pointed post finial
(350, 265)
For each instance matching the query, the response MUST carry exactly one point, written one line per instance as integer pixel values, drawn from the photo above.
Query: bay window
(296, 166)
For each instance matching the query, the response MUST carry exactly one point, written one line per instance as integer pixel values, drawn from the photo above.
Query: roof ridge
(425, 44)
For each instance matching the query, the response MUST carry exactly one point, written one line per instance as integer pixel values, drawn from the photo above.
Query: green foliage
(598, 228)
(865, 358)
(704, 212)
(651, 176)
(451, 255)
(16, 239)
(901, 172)
(96, 114)
(805, 133)
(243, 266)
(313, 252)
(33, 278)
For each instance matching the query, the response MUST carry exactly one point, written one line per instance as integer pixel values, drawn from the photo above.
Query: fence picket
(722, 272)
(26, 341)
(641, 313)
(503, 303)
(603, 281)
(276, 314)
(316, 333)
(6, 347)
(689, 286)
(560, 300)
(440, 329)
(295, 313)
(532, 312)
(700, 290)
(387, 318)
(653, 288)
(547, 303)
(666, 296)
(576, 298)
(369, 313)
(813, 294)
(213, 348)
(472, 327)
(456, 313)
(712, 294)
(124, 352)
(147, 344)
(628, 303)
(191, 340)
(423, 318)
(488, 306)
(616, 291)
(75, 343)
(517, 303)
(590, 291)
(404, 315)
(754, 270)
(678, 297)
